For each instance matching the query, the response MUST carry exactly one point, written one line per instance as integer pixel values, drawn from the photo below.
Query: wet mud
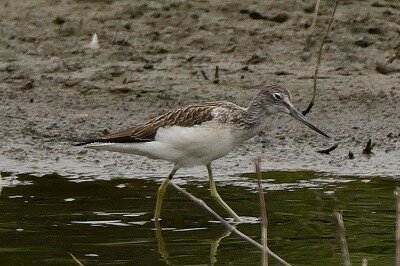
(159, 55)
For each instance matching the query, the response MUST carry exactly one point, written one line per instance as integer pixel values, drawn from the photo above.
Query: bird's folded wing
(184, 117)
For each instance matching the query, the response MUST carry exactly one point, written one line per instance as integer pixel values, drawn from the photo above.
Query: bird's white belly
(183, 146)
(189, 146)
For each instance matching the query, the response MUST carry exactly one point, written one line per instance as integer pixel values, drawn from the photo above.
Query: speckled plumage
(198, 134)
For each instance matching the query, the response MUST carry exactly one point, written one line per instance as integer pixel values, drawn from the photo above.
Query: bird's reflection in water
(162, 246)
(215, 244)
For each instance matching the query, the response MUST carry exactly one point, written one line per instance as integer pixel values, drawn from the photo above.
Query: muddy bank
(53, 90)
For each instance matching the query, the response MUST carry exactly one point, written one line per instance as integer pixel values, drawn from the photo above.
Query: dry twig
(264, 224)
(328, 150)
(368, 148)
(315, 16)
(76, 260)
(204, 74)
(230, 227)
(343, 241)
(319, 55)
(216, 75)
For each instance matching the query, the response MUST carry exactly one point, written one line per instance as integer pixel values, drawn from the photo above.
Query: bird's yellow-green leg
(160, 194)
(217, 197)
(160, 197)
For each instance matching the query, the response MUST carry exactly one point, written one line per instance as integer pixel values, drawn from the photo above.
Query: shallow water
(108, 222)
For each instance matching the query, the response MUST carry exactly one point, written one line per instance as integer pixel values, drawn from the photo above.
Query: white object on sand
(94, 44)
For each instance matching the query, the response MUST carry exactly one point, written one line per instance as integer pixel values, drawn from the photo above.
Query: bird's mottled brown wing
(184, 117)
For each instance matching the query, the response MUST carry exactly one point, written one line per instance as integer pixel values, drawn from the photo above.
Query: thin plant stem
(315, 16)
(216, 75)
(204, 74)
(230, 227)
(264, 224)
(343, 241)
(1, 183)
(76, 260)
(397, 195)
(319, 56)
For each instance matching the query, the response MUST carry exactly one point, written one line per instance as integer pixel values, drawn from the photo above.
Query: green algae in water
(109, 222)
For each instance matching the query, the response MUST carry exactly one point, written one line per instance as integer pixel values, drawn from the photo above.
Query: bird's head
(277, 99)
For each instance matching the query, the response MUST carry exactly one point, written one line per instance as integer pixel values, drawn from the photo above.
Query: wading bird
(199, 134)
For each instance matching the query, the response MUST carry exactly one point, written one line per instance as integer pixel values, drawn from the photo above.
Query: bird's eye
(277, 96)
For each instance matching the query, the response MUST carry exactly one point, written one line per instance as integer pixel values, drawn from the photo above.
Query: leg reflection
(215, 245)
(162, 246)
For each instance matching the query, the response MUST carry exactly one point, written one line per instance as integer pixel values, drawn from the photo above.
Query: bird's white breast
(188, 146)
(183, 146)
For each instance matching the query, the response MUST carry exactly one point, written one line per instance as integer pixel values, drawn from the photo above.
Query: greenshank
(199, 134)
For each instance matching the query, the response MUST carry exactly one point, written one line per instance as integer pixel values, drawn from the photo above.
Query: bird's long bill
(296, 114)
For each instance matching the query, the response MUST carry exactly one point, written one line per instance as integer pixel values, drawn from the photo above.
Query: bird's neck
(254, 119)
(256, 111)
